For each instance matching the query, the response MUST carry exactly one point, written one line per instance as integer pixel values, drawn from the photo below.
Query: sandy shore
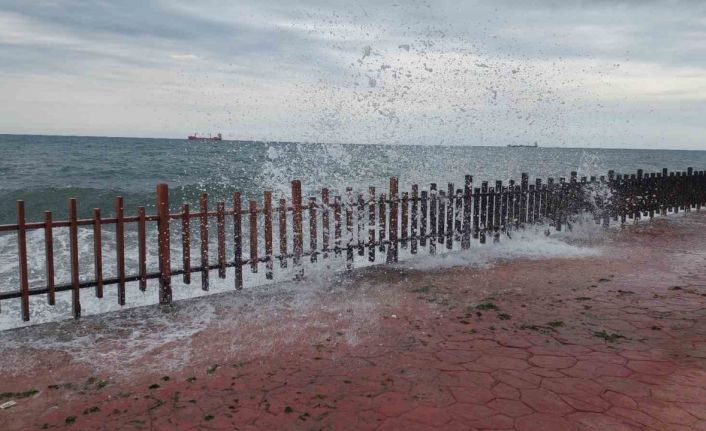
(609, 340)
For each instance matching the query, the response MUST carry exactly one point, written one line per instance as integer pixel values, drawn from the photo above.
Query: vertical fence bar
(49, 260)
(120, 247)
(449, 216)
(638, 198)
(467, 211)
(297, 228)
(690, 182)
(523, 198)
(571, 197)
(530, 203)
(142, 248)
(497, 209)
(424, 204)
(360, 222)
(382, 222)
(432, 218)
(404, 228)
(238, 238)
(605, 201)
(97, 253)
(476, 213)
(483, 210)
(165, 264)
(267, 209)
(371, 224)
(203, 208)
(441, 218)
(700, 193)
(503, 212)
(392, 250)
(511, 205)
(490, 226)
(415, 219)
(561, 208)
(22, 255)
(349, 228)
(252, 212)
(537, 200)
(458, 215)
(73, 245)
(313, 235)
(186, 242)
(282, 233)
(221, 230)
(325, 223)
(337, 224)
(652, 194)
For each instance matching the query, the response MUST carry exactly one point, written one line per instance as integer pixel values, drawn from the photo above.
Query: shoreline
(611, 341)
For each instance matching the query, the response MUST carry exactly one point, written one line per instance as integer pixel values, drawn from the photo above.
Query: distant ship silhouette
(195, 137)
(535, 145)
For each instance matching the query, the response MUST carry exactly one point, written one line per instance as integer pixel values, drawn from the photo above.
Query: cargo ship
(195, 137)
(535, 145)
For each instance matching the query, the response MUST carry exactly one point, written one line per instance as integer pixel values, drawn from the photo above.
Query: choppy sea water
(47, 170)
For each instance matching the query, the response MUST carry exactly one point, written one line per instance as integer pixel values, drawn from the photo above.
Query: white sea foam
(531, 243)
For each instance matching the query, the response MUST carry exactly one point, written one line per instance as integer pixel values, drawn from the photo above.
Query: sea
(45, 171)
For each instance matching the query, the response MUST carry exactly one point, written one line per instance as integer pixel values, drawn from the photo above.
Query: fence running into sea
(339, 226)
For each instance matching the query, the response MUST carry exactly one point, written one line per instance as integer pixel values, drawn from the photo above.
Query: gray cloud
(406, 72)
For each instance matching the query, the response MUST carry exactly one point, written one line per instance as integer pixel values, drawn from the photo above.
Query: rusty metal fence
(346, 223)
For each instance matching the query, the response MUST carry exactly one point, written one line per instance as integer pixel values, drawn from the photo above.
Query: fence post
(404, 228)
(267, 210)
(165, 270)
(639, 197)
(360, 223)
(441, 218)
(690, 182)
(203, 230)
(120, 247)
(560, 201)
(22, 254)
(282, 231)
(467, 205)
(371, 224)
(524, 183)
(221, 237)
(73, 246)
(432, 218)
(449, 216)
(424, 209)
(298, 232)
(325, 224)
(392, 250)
(313, 235)
(142, 247)
(49, 258)
(414, 233)
(252, 213)
(337, 225)
(349, 228)
(537, 213)
(97, 252)
(186, 242)
(483, 210)
(238, 239)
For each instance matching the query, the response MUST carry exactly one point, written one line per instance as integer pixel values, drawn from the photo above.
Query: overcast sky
(592, 73)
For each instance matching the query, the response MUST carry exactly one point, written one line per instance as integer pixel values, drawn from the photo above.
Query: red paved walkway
(616, 342)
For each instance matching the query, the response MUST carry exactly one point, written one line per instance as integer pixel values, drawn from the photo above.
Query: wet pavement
(615, 341)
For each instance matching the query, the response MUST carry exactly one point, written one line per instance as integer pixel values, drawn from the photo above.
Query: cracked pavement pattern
(609, 342)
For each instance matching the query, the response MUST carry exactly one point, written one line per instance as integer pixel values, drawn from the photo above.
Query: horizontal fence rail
(346, 224)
